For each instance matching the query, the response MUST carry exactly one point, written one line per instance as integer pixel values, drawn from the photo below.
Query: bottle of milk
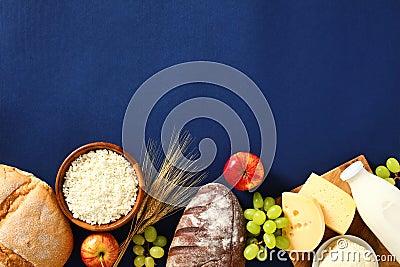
(378, 203)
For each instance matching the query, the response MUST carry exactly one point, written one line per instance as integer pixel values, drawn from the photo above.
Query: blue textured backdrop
(329, 69)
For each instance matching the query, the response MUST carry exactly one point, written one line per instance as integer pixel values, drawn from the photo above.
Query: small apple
(99, 250)
(244, 171)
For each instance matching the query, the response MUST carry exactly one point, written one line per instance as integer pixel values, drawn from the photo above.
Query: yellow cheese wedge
(338, 206)
(307, 225)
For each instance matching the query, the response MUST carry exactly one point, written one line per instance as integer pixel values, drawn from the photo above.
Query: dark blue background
(329, 69)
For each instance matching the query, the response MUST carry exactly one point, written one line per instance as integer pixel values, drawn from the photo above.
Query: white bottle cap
(352, 170)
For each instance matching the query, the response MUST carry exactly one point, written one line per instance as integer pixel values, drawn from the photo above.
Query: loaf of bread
(33, 231)
(211, 232)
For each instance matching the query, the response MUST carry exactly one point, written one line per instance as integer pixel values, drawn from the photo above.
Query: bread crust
(33, 230)
(211, 231)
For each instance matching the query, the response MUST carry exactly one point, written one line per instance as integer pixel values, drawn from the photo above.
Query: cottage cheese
(100, 187)
(350, 254)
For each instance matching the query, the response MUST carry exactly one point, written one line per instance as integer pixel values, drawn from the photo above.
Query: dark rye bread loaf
(33, 231)
(211, 232)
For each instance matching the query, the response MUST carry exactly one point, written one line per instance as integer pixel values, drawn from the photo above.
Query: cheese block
(307, 225)
(337, 206)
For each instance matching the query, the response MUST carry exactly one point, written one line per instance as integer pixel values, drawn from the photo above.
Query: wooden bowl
(60, 182)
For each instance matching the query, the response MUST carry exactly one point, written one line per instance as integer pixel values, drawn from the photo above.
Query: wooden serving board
(358, 227)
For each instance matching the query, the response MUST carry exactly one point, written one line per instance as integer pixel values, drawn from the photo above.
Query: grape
(269, 227)
(139, 261)
(249, 214)
(156, 252)
(268, 203)
(250, 252)
(138, 250)
(138, 240)
(150, 233)
(393, 165)
(382, 172)
(259, 217)
(282, 242)
(251, 240)
(161, 241)
(270, 240)
(262, 254)
(278, 232)
(274, 212)
(149, 262)
(258, 202)
(282, 222)
(253, 228)
(391, 180)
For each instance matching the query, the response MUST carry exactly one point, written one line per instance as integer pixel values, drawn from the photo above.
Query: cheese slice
(338, 206)
(307, 225)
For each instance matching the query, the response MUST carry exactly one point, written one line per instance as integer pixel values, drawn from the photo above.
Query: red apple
(99, 250)
(244, 171)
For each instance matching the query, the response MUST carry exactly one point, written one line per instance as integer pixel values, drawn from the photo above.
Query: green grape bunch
(390, 172)
(148, 247)
(265, 222)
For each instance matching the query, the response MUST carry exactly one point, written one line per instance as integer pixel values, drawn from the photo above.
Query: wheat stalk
(168, 190)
